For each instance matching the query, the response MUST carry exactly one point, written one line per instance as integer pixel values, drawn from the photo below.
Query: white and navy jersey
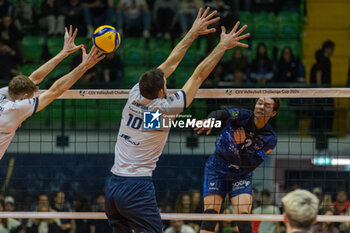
(138, 149)
(12, 114)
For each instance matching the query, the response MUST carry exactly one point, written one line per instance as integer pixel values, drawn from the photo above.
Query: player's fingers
(93, 50)
(205, 13)
(199, 13)
(243, 37)
(242, 45)
(223, 30)
(83, 50)
(234, 29)
(196, 129)
(213, 21)
(208, 132)
(241, 30)
(211, 15)
(75, 34)
(100, 58)
(70, 31)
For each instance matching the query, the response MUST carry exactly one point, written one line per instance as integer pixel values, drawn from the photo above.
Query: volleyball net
(69, 147)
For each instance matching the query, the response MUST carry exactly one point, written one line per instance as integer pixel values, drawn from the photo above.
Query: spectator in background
(5, 7)
(8, 65)
(262, 66)
(256, 202)
(52, 18)
(81, 204)
(8, 225)
(12, 37)
(183, 205)
(227, 19)
(112, 68)
(178, 226)
(341, 203)
(326, 227)
(100, 225)
(97, 12)
(165, 12)
(9, 203)
(267, 208)
(326, 202)
(73, 14)
(322, 70)
(45, 225)
(23, 15)
(288, 67)
(322, 119)
(196, 202)
(225, 12)
(228, 227)
(236, 68)
(58, 204)
(317, 191)
(133, 14)
(300, 211)
(188, 13)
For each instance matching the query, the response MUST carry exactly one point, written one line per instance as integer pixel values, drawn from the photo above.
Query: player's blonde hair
(20, 85)
(301, 208)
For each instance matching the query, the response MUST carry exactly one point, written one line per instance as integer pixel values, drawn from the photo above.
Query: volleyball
(106, 38)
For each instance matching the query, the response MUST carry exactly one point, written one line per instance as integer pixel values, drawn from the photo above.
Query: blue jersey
(259, 142)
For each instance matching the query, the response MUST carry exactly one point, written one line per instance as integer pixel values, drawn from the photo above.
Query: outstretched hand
(202, 129)
(200, 25)
(69, 37)
(232, 39)
(92, 58)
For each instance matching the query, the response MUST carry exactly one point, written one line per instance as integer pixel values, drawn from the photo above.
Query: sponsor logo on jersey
(128, 139)
(235, 114)
(212, 186)
(82, 93)
(242, 184)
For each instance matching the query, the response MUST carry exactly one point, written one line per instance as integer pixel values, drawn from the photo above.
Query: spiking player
(130, 198)
(16, 100)
(243, 145)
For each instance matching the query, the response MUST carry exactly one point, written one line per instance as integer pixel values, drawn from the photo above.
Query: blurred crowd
(162, 19)
(264, 202)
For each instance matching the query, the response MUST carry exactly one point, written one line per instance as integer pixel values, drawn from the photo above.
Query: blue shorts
(221, 178)
(131, 205)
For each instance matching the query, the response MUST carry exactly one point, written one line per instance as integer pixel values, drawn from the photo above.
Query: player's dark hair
(277, 104)
(266, 193)
(20, 85)
(151, 83)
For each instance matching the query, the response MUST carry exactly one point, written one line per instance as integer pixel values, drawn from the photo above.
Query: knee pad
(245, 226)
(209, 225)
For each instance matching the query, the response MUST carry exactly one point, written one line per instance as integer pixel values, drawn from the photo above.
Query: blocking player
(243, 145)
(130, 197)
(16, 100)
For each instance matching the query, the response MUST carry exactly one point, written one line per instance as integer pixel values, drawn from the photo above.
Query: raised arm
(67, 81)
(68, 48)
(199, 27)
(227, 41)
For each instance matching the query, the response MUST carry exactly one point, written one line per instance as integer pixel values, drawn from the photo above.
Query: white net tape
(219, 93)
(169, 216)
